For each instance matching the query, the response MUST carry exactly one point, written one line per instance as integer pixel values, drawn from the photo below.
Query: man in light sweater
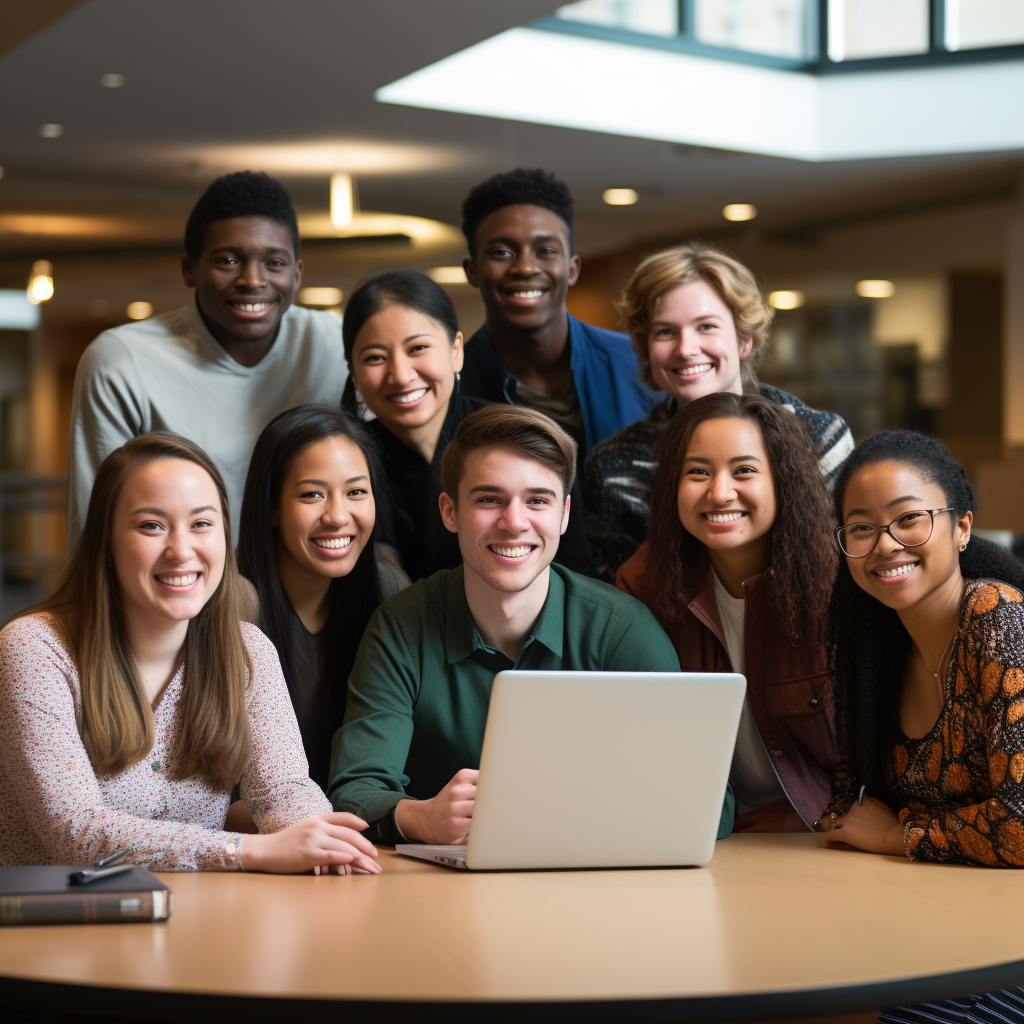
(219, 369)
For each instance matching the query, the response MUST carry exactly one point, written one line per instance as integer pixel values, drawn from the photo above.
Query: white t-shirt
(752, 776)
(169, 373)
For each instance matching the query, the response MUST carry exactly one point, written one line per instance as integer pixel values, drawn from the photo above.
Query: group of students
(409, 522)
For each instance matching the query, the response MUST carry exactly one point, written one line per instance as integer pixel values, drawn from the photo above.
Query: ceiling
(215, 86)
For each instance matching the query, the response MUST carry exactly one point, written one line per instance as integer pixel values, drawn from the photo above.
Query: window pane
(651, 17)
(879, 28)
(780, 28)
(974, 23)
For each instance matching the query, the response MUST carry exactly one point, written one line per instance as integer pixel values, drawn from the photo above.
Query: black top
(407, 513)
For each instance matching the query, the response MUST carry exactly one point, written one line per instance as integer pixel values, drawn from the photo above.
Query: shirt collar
(462, 638)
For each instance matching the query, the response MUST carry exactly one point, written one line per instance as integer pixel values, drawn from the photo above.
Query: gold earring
(963, 547)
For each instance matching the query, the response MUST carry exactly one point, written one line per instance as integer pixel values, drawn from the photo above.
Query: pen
(860, 796)
(112, 859)
(87, 875)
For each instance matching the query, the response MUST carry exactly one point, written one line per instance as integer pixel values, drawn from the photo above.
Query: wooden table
(775, 925)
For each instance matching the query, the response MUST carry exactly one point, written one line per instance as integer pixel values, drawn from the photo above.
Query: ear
(299, 267)
(188, 270)
(458, 352)
(574, 270)
(448, 514)
(470, 268)
(746, 346)
(565, 515)
(964, 526)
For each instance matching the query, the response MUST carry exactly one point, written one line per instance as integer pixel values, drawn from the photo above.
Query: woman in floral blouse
(133, 700)
(928, 656)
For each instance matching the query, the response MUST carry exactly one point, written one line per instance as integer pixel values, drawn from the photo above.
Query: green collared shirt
(421, 682)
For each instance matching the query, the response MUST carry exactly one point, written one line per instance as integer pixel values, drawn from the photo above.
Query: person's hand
(322, 843)
(444, 819)
(873, 827)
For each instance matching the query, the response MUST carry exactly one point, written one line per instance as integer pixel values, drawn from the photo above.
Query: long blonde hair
(117, 720)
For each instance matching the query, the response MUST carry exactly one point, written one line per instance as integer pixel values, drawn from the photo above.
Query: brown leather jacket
(788, 685)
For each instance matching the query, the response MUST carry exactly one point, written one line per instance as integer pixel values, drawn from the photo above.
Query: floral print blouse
(54, 809)
(961, 787)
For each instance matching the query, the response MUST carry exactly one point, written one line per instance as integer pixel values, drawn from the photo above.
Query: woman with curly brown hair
(738, 570)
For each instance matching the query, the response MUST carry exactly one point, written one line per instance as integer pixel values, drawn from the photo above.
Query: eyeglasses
(910, 530)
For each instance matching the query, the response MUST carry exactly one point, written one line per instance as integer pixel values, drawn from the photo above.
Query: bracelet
(233, 852)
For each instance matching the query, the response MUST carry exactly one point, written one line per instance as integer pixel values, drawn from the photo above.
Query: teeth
(528, 295)
(179, 581)
(510, 552)
(251, 307)
(723, 517)
(900, 570)
(690, 371)
(332, 542)
(409, 396)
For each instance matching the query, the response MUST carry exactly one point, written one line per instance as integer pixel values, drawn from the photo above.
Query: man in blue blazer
(530, 351)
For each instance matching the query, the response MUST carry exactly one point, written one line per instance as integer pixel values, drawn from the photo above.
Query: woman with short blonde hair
(699, 326)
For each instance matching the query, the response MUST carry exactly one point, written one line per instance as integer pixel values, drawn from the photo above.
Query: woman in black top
(404, 351)
(306, 543)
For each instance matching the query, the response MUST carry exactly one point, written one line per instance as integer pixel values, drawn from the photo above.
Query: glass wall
(649, 17)
(877, 28)
(971, 24)
(781, 28)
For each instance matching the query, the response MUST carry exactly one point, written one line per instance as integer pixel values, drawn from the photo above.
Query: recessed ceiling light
(112, 81)
(447, 275)
(739, 211)
(875, 289)
(40, 284)
(343, 200)
(320, 296)
(51, 131)
(786, 300)
(620, 196)
(139, 310)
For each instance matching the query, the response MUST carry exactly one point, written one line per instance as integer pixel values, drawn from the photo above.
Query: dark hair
(242, 194)
(521, 187)
(527, 431)
(803, 557)
(868, 644)
(116, 720)
(318, 687)
(397, 287)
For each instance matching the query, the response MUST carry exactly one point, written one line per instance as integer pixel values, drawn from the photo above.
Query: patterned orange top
(961, 787)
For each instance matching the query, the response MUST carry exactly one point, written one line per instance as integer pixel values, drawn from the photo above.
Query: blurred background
(864, 157)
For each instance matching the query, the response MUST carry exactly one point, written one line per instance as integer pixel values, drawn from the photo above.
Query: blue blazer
(604, 369)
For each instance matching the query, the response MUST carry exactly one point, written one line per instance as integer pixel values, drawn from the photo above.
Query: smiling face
(901, 577)
(245, 280)
(325, 512)
(523, 266)
(692, 343)
(404, 365)
(167, 543)
(510, 515)
(726, 489)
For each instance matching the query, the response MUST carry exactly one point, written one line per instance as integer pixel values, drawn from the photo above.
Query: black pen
(112, 859)
(91, 874)
(860, 796)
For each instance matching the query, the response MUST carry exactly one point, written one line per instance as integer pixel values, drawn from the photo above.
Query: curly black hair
(868, 644)
(242, 194)
(521, 187)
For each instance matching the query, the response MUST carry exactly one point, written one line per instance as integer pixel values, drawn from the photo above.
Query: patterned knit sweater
(619, 473)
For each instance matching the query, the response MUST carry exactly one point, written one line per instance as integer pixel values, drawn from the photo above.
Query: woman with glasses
(927, 641)
(738, 570)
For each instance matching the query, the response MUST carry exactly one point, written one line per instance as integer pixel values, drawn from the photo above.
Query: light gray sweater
(169, 373)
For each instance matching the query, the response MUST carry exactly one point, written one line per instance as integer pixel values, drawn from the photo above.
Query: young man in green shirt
(407, 756)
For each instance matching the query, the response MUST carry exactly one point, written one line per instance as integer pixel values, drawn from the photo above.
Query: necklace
(937, 674)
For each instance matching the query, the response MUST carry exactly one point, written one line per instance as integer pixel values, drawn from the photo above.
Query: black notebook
(45, 895)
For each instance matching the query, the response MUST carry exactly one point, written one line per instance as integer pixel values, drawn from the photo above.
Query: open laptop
(599, 770)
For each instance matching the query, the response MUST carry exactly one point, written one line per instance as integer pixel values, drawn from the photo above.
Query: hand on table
(321, 844)
(873, 827)
(445, 818)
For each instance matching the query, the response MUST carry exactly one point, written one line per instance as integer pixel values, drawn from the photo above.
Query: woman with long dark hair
(927, 645)
(404, 352)
(133, 700)
(738, 570)
(926, 633)
(306, 544)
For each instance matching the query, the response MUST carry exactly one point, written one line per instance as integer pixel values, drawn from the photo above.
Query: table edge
(164, 1004)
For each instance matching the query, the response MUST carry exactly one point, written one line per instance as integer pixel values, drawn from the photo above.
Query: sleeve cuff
(385, 830)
